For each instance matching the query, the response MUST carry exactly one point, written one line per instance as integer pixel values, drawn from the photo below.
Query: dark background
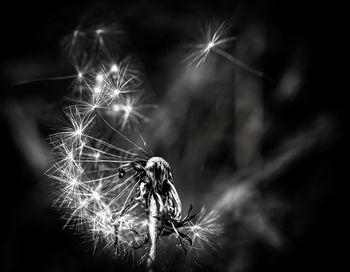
(303, 200)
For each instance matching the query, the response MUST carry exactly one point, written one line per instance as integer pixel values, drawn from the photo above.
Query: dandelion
(111, 187)
(113, 192)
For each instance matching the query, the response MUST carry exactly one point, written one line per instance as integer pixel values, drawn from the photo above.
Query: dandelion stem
(152, 228)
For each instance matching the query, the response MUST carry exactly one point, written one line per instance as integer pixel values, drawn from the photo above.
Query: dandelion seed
(215, 40)
(114, 68)
(97, 155)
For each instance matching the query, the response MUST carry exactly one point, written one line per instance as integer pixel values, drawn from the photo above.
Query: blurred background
(268, 155)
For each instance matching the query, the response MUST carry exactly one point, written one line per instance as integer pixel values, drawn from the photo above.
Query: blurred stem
(152, 228)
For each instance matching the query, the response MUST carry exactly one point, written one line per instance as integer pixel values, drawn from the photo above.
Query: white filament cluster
(91, 189)
(114, 92)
